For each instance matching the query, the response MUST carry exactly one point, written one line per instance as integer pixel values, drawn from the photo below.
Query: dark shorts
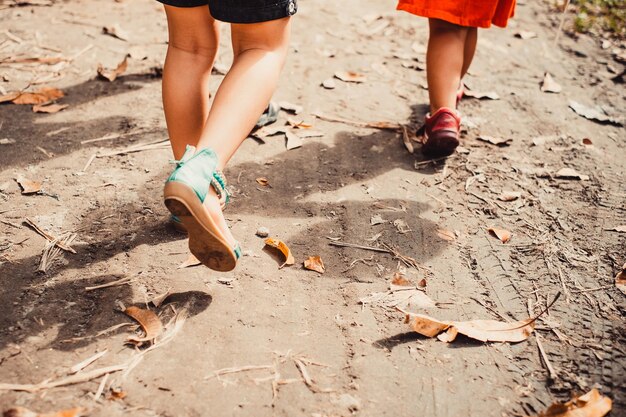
(242, 11)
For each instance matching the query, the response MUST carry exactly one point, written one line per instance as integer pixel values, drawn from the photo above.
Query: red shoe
(441, 133)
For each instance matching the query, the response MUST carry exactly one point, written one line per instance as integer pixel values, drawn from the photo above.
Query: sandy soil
(363, 359)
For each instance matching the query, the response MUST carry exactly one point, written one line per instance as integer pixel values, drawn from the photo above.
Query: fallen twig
(82, 365)
(122, 281)
(544, 356)
(158, 144)
(307, 377)
(374, 125)
(234, 370)
(48, 236)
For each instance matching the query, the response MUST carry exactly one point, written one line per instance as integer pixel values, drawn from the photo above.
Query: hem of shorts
(451, 18)
(260, 14)
(168, 3)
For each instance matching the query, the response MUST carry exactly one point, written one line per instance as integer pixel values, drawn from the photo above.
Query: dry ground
(330, 187)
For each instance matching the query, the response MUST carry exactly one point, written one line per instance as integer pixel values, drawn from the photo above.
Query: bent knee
(195, 47)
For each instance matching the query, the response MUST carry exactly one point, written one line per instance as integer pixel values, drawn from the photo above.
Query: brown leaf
(620, 280)
(483, 330)
(591, 404)
(587, 141)
(350, 76)
(24, 412)
(262, 181)
(399, 280)
(41, 96)
(9, 96)
(283, 248)
(549, 85)
(190, 261)
(51, 108)
(149, 322)
(315, 263)
(509, 195)
(502, 234)
(422, 283)
(571, 174)
(112, 74)
(446, 235)
(28, 186)
(117, 395)
(495, 141)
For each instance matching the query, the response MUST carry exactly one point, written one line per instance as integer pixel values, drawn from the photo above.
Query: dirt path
(331, 187)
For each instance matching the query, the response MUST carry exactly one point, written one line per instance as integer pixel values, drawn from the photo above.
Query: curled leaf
(483, 330)
(283, 248)
(41, 96)
(399, 280)
(149, 322)
(262, 181)
(446, 235)
(315, 263)
(28, 186)
(112, 74)
(502, 234)
(591, 404)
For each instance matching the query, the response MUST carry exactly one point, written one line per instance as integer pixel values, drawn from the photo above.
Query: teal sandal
(185, 192)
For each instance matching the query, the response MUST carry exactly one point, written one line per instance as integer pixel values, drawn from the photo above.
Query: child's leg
(260, 50)
(445, 62)
(470, 48)
(193, 44)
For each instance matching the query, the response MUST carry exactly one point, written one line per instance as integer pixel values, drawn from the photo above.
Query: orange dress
(473, 13)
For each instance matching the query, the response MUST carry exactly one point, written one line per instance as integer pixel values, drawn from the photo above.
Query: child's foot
(441, 131)
(194, 193)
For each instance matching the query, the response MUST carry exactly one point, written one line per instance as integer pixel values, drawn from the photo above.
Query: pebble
(263, 232)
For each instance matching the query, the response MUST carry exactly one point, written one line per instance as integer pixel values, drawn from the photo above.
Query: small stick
(406, 139)
(428, 161)
(122, 281)
(226, 371)
(379, 125)
(353, 245)
(606, 287)
(82, 365)
(98, 393)
(560, 29)
(48, 236)
(544, 356)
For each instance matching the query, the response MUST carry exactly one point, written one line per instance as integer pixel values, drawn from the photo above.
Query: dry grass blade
(82, 365)
(70, 380)
(117, 283)
(374, 125)
(51, 251)
(48, 236)
(237, 369)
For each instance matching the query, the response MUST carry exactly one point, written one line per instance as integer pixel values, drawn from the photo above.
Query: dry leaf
(116, 31)
(422, 283)
(262, 181)
(24, 412)
(446, 235)
(289, 107)
(509, 195)
(149, 322)
(117, 395)
(595, 114)
(157, 300)
(299, 124)
(402, 298)
(350, 77)
(41, 96)
(571, 174)
(587, 141)
(502, 234)
(483, 330)
(402, 226)
(620, 280)
(495, 141)
(549, 85)
(28, 186)
(112, 74)
(190, 261)
(293, 141)
(621, 229)
(328, 84)
(283, 248)
(9, 96)
(51, 108)
(481, 95)
(315, 263)
(525, 34)
(399, 280)
(591, 404)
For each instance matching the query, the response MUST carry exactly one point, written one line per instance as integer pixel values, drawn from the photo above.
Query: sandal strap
(218, 182)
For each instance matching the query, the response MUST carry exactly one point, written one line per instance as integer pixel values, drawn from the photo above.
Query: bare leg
(470, 49)
(444, 62)
(260, 50)
(193, 44)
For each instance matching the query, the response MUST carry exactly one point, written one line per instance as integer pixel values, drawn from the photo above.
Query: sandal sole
(206, 242)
